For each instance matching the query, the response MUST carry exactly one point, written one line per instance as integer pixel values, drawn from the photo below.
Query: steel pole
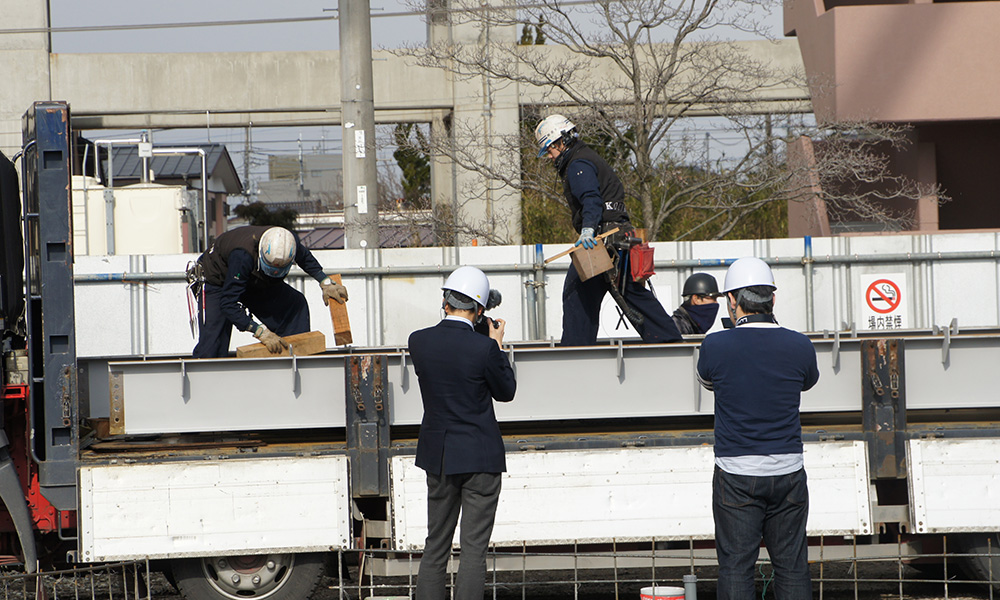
(358, 112)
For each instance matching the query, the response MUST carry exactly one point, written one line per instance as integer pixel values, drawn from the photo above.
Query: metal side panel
(570, 496)
(954, 485)
(210, 508)
(177, 396)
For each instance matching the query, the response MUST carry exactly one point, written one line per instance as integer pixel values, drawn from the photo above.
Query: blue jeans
(749, 509)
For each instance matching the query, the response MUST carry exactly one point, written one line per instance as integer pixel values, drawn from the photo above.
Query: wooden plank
(304, 344)
(565, 252)
(341, 323)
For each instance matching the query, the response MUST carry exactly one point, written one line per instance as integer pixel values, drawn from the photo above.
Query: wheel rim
(241, 577)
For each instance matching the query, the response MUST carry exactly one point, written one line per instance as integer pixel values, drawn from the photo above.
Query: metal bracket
(295, 366)
(621, 360)
(117, 417)
(184, 378)
(836, 349)
(402, 365)
(946, 346)
(510, 357)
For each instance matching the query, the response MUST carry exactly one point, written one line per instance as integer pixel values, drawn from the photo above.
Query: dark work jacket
(232, 264)
(610, 190)
(461, 372)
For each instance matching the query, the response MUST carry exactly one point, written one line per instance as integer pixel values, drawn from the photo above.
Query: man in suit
(460, 372)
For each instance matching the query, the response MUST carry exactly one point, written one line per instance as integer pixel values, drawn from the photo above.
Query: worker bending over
(461, 373)
(244, 271)
(597, 198)
(696, 315)
(758, 372)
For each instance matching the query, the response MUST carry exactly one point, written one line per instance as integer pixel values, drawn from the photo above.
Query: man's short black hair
(755, 299)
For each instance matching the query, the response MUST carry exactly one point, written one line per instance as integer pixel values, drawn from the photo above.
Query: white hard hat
(550, 129)
(470, 282)
(276, 250)
(748, 271)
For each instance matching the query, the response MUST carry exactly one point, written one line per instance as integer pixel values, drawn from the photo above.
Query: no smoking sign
(885, 301)
(883, 296)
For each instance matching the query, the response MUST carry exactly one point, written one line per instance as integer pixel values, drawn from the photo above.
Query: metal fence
(112, 581)
(840, 569)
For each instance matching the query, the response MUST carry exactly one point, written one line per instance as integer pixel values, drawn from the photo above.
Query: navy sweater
(758, 375)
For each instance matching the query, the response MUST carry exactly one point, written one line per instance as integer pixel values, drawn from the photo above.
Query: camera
(484, 324)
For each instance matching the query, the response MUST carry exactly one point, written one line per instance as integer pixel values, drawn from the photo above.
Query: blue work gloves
(586, 238)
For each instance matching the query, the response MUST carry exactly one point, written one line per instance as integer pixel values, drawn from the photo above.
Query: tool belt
(195, 275)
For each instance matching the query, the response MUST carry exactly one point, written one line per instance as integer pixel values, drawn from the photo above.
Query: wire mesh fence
(841, 569)
(111, 581)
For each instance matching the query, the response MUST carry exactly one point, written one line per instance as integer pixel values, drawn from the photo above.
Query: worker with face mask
(242, 285)
(461, 372)
(758, 372)
(597, 199)
(698, 312)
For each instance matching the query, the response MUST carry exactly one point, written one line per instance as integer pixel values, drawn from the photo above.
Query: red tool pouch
(641, 259)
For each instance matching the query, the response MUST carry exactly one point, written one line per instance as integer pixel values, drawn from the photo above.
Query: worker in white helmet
(461, 373)
(243, 286)
(596, 198)
(758, 372)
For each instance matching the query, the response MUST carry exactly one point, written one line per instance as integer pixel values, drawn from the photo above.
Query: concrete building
(926, 64)
(311, 184)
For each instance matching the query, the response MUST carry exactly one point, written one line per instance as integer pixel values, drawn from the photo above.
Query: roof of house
(173, 167)
(390, 236)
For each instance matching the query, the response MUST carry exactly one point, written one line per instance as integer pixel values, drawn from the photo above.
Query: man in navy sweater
(460, 372)
(758, 371)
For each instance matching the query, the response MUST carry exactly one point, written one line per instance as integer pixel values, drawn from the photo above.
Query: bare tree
(633, 75)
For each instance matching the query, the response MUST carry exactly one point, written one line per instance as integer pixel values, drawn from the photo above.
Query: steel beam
(630, 381)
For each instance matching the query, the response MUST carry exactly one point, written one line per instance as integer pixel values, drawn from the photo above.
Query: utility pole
(358, 124)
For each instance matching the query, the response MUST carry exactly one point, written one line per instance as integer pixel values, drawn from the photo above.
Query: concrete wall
(900, 62)
(25, 67)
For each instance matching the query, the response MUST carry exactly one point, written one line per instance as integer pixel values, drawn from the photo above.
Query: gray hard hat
(700, 284)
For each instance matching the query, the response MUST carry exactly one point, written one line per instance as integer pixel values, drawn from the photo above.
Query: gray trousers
(476, 495)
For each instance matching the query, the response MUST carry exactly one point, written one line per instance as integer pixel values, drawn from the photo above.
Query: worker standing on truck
(460, 372)
(597, 198)
(245, 270)
(697, 313)
(758, 371)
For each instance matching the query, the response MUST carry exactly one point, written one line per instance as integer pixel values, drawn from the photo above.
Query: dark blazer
(461, 372)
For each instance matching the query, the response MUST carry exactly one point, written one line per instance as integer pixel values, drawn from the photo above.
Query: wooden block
(590, 263)
(304, 344)
(341, 324)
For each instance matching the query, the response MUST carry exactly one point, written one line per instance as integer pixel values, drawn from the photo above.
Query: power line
(280, 21)
(95, 28)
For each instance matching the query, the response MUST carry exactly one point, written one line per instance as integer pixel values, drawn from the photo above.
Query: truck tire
(984, 567)
(271, 576)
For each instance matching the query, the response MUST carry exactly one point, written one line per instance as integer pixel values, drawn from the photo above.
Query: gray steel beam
(588, 383)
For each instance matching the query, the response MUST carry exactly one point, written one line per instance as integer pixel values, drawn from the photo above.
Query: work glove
(333, 290)
(272, 341)
(586, 238)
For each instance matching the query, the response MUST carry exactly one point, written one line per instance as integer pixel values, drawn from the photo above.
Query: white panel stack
(552, 497)
(954, 485)
(213, 508)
